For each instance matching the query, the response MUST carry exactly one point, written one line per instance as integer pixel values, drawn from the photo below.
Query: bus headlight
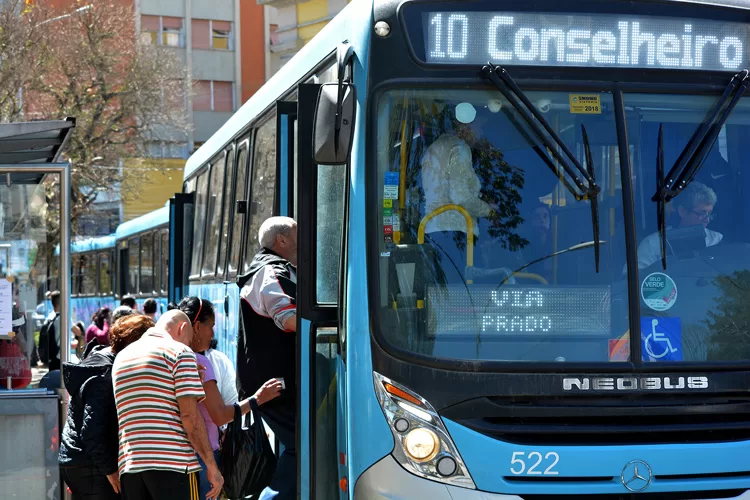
(423, 446)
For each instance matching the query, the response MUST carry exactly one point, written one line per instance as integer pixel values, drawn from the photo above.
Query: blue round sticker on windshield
(659, 291)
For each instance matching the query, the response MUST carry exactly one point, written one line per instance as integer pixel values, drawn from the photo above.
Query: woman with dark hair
(89, 445)
(215, 412)
(99, 327)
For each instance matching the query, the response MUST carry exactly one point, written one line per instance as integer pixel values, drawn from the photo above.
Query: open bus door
(320, 214)
(181, 208)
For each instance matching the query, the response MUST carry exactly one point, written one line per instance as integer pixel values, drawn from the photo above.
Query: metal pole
(64, 294)
(64, 274)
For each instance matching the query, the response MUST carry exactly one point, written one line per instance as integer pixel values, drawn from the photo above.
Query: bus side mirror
(333, 130)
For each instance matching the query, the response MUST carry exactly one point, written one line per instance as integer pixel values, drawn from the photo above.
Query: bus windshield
(487, 253)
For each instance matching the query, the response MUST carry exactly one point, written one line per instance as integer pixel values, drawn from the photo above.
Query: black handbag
(247, 460)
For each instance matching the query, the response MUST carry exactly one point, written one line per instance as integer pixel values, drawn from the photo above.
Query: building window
(171, 31)
(202, 95)
(211, 34)
(221, 35)
(160, 30)
(201, 35)
(150, 29)
(213, 96)
(223, 96)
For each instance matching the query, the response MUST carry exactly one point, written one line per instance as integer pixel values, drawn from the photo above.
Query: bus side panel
(368, 436)
(85, 307)
(226, 328)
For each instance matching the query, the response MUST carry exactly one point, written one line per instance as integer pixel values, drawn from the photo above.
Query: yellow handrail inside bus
(469, 229)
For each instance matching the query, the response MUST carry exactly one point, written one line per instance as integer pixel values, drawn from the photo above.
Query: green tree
(729, 320)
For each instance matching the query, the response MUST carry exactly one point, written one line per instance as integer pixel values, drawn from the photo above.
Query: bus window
(263, 187)
(491, 241)
(157, 262)
(213, 220)
(88, 274)
(147, 263)
(75, 274)
(133, 258)
(105, 277)
(698, 302)
(329, 218)
(164, 261)
(238, 219)
(199, 225)
(190, 186)
(223, 238)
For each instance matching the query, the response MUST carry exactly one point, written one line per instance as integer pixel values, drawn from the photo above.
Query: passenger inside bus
(695, 207)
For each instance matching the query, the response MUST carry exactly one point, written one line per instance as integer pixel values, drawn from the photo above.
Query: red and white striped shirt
(148, 377)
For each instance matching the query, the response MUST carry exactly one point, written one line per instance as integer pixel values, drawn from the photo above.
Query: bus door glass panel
(147, 263)
(695, 309)
(123, 260)
(239, 218)
(75, 262)
(321, 212)
(177, 242)
(486, 250)
(199, 224)
(286, 116)
(164, 274)
(263, 197)
(88, 274)
(105, 276)
(134, 255)
(213, 224)
(226, 216)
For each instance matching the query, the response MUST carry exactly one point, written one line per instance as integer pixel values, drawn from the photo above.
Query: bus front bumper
(386, 479)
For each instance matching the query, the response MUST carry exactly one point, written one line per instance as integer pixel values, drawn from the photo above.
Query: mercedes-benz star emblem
(636, 476)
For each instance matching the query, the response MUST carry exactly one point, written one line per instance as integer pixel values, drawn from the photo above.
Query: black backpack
(48, 349)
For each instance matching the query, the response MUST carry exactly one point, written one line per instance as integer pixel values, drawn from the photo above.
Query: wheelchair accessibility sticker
(659, 291)
(661, 339)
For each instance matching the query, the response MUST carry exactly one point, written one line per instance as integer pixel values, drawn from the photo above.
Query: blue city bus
(493, 198)
(92, 276)
(133, 261)
(142, 260)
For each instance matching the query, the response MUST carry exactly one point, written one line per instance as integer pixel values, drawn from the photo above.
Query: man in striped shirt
(157, 389)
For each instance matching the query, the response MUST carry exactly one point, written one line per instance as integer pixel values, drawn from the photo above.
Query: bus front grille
(607, 421)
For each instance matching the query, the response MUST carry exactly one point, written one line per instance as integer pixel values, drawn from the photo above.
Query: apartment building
(221, 44)
(290, 24)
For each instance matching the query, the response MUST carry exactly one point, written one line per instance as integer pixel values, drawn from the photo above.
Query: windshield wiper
(696, 150)
(692, 157)
(550, 143)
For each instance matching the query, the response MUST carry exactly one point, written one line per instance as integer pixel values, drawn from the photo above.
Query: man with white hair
(266, 347)
(695, 207)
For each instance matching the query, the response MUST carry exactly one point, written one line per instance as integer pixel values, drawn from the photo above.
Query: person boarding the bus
(267, 340)
(157, 388)
(695, 206)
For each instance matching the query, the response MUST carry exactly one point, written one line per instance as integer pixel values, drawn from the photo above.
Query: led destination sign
(511, 310)
(585, 40)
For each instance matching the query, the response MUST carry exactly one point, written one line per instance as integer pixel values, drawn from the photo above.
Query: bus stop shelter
(34, 219)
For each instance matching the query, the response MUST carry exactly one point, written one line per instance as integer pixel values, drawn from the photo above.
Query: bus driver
(694, 206)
